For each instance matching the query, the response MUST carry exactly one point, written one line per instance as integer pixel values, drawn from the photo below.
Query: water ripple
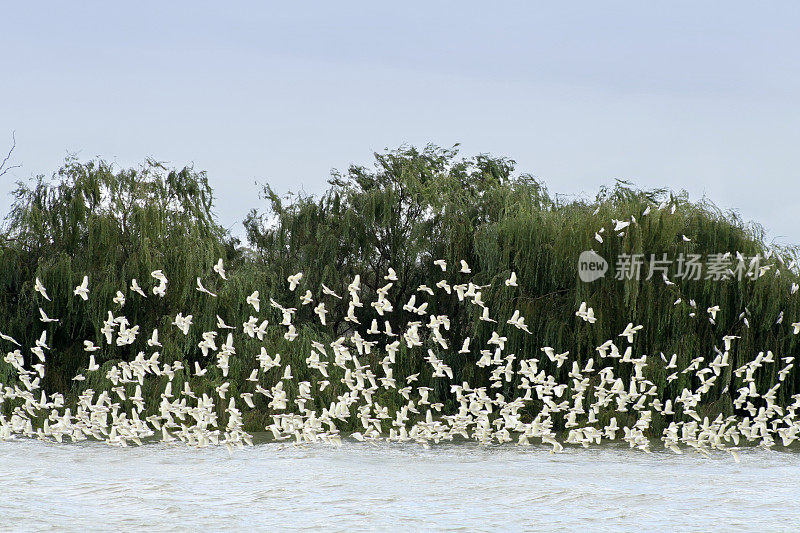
(453, 487)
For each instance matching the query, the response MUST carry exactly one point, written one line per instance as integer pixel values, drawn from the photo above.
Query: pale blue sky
(694, 95)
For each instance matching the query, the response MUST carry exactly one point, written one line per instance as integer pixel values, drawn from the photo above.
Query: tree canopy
(413, 206)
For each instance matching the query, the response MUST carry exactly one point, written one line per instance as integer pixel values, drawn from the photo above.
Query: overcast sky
(694, 95)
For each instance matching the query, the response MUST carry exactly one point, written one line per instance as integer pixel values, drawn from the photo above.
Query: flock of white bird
(483, 414)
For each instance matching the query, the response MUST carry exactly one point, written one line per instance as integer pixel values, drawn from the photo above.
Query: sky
(701, 96)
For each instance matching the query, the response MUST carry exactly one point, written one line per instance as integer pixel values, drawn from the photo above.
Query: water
(90, 486)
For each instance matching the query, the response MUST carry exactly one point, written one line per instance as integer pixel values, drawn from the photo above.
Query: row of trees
(412, 207)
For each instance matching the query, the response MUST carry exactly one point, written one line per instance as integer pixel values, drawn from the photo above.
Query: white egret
(294, 280)
(201, 288)
(137, 289)
(9, 338)
(89, 346)
(254, 301)
(44, 318)
(328, 291)
(119, 299)
(219, 268)
(82, 290)
(38, 287)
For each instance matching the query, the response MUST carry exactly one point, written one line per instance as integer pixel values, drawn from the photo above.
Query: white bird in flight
(89, 346)
(630, 331)
(294, 280)
(82, 290)
(465, 346)
(201, 288)
(328, 291)
(222, 325)
(119, 299)
(137, 289)
(320, 311)
(307, 298)
(254, 301)
(159, 275)
(485, 315)
(153, 340)
(219, 268)
(160, 290)
(44, 318)
(38, 287)
(183, 322)
(9, 338)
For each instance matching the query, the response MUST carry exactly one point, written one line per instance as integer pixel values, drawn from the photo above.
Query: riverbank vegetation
(414, 206)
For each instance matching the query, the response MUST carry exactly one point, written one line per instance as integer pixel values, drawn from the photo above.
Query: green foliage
(111, 225)
(417, 206)
(412, 207)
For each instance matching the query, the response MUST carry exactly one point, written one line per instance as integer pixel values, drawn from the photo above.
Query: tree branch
(3, 168)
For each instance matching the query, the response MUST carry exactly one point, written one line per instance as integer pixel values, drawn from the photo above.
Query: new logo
(591, 266)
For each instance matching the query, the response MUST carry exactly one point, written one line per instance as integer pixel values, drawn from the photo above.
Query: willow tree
(411, 207)
(112, 225)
